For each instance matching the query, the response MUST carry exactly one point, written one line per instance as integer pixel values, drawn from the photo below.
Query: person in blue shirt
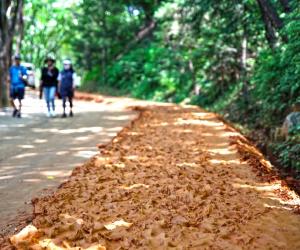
(17, 74)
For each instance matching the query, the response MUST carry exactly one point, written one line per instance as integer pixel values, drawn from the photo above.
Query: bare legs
(12, 102)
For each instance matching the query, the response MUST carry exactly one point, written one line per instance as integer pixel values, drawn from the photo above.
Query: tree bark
(3, 56)
(104, 43)
(9, 52)
(222, 78)
(7, 32)
(196, 86)
(244, 60)
(21, 30)
(141, 35)
(286, 5)
(3, 77)
(271, 13)
(270, 30)
(104, 65)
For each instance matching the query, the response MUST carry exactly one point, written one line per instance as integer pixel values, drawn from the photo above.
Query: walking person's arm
(58, 82)
(58, 86)
(74, 76)
(41, 84)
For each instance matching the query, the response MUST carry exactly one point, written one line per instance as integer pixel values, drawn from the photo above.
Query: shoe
(48, 115)
(53, 114)
(64, 115)
(15, 113)
(71, 114)
(19, 115)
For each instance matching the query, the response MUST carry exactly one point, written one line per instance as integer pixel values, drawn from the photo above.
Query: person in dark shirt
(49, 84)
(66, 85)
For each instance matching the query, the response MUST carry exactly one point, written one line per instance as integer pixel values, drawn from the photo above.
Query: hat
(49, 58)
(18, 57)
(67, 61)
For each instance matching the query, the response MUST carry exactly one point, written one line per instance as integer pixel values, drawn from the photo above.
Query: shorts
(17, 93)
(67, 93)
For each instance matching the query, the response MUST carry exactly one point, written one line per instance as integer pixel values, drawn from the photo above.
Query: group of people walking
(52, 82)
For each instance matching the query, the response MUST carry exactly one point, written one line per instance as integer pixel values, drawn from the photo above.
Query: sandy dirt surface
(37, 153)
(171, 180)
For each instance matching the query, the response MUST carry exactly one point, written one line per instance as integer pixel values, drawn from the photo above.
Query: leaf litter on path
(170, 180)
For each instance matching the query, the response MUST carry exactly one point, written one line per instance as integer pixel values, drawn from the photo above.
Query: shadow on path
(37, 154)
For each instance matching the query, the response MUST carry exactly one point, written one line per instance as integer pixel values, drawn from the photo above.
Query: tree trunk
(104, 65)
(141, 35)
(9, 53)
(270, 30)
(7, 32)
(196, 86)
(222, 78)
(104, 43)
(271, 13)
(21, 30)
(286, 5)
(3, 77)
(191, 68)
(236, 68)
(244, 60)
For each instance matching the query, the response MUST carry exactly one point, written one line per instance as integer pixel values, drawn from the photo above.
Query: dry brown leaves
(168, 181)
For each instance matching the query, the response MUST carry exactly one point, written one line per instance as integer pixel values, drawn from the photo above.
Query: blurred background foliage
(238, 58)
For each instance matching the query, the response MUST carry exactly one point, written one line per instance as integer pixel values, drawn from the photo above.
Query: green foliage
(277, 74)
(288, 151)
(196, 45)
(149, 74)
(46, 30)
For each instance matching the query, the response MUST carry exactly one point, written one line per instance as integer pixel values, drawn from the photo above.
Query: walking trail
(173, 179)
(37, 153)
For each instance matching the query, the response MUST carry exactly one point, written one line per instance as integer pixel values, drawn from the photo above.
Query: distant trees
(165, 50)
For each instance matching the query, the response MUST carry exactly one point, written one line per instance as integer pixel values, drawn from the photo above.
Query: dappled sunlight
(40, 141)
(268, 190)
(220, 151)
(160, 183)
(134, 186)
(26, 146)
(86, 154)
(24, 155)
(226, 162)
(38, 154)
(83, 138)
(32, 180)
(112, 225)
(27, 232)
(6, 177)
(52, 173)
(62, 152)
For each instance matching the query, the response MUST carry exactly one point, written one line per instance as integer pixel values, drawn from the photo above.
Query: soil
(37, 154)
(170, 180)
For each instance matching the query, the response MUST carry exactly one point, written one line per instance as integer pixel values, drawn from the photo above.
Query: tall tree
(271, 13)
(286, 5)
(7, 32)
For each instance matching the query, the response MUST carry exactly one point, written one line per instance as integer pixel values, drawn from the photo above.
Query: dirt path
(37, 154)
(171, 180)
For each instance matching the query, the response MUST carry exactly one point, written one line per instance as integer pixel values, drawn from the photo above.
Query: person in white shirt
(66, 85)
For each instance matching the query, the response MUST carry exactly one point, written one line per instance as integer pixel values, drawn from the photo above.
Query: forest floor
(176, 178)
